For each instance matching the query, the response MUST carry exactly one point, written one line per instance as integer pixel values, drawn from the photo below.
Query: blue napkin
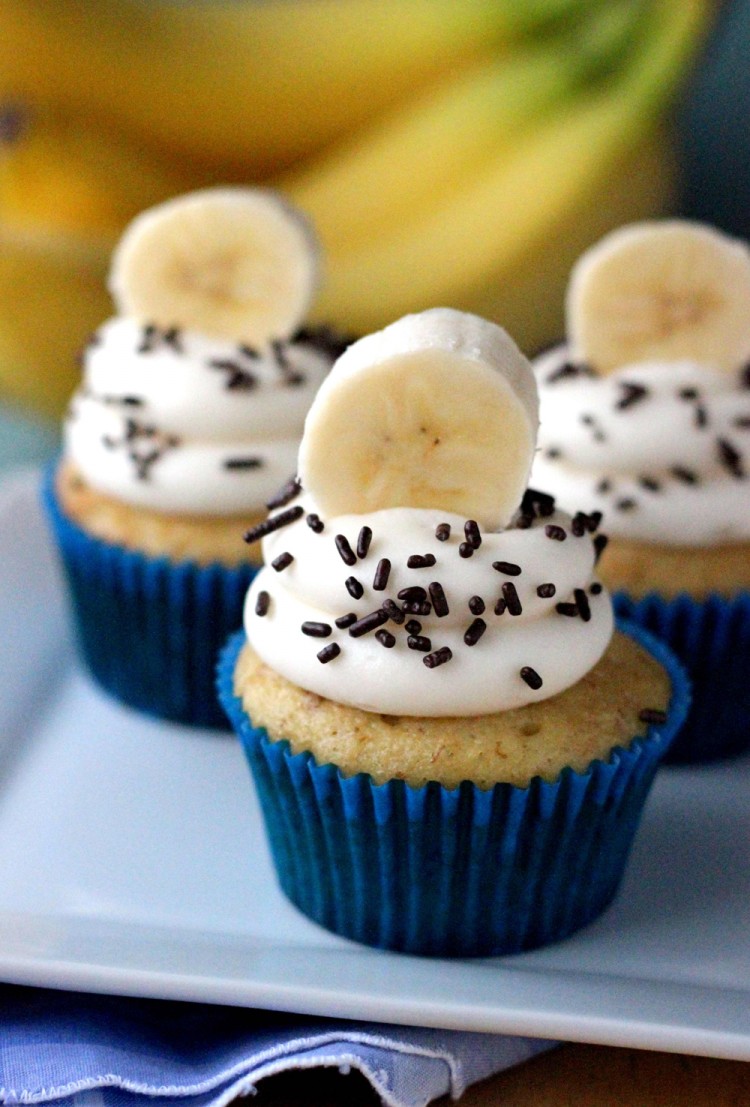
(105, 1051)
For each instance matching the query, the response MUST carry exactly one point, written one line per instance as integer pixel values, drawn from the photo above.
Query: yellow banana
(475, 234)
(528, 298)
(52, 292)
(57, 173)
(434, 142)
(249, 85)
(66, 191)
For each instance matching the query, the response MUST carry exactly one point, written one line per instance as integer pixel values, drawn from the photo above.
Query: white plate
(132, 861)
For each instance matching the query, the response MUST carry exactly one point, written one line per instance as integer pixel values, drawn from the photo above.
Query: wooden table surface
(569, 1076)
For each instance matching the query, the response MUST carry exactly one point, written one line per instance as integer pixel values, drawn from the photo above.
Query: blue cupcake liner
(148, 630)
(451, 872)
(711, 638)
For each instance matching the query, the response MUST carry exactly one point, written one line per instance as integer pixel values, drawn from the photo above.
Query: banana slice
(664, 291)
(439, 410)
(234, 263)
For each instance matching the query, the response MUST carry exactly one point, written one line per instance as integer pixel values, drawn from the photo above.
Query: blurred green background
(453, 152)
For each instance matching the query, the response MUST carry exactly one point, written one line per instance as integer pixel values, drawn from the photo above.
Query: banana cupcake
(451, 747)
(187, 420)
(645, 420)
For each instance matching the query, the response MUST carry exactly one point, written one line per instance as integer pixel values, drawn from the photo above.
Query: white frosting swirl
(394, 679)
(661, 449)
(181, 423)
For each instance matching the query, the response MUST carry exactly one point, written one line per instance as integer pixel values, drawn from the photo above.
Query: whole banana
(467, 239)
(248, 86)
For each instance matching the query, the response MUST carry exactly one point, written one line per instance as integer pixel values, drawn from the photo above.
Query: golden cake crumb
(641, 567)
(573, 728)
(203, 539)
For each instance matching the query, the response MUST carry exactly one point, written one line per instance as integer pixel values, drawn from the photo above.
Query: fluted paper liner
(451, 872)
(711, 638)
(149, 630)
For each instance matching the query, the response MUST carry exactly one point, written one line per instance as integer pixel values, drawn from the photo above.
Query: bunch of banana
(448, 151)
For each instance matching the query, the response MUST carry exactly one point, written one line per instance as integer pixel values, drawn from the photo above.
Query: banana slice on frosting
(661, 291)
(233, 263)
(438, 410)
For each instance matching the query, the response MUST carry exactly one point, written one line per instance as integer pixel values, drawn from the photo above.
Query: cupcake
(645, 420)
(450, 745)
(185, 424)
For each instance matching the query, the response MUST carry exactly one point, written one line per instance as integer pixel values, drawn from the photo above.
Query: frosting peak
(171, 420)
(364, 609)
(660, 448)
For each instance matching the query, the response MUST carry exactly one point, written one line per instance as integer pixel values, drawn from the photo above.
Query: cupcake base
(451, 872)
(149, 630)
(712, 639)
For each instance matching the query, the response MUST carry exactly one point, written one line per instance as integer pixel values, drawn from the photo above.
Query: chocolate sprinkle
(742, 422)
(627, 503)
(413, 594)
(582, 601)
(285, 494)
(369, 622)
(508, 567)
(354, 588)
(681, 473)
(730, 458)
(385, 638)
(510, 595)
(238, 378)
(439, 602)
(268, 526)
(363, 542)
(153, 337)
(536, 503)
(578, 524)
(596, 588)
(383, 571)
(600, 544)
(532, 678)
(443, 532)
(650, 484)
(465, 550)
(283, 561)
(546, 591)
(439, 657)
(701, 416)
(348, 555)
(314, 522)
(345, 621)
(419, 642)
(472, 532)
(568, 370)
(418, 608)
(501, 606)
(333, 649)
(652, 715)
(243, 463)
(316, 630)
(570, 609)
(476, 605)
(632, 394)
(556, 533)
(413, 627)
(475, 632)
(393, 611)
(420, 561)
(553, 453)
(262, 603)
(603, 487)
